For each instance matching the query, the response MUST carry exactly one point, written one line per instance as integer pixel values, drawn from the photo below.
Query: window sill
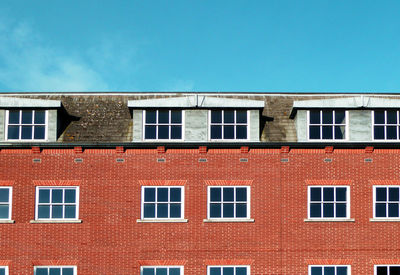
(330, 220)
(7, 221)
(228, 220)
(384, 220)
(56, 221)
(162, 220)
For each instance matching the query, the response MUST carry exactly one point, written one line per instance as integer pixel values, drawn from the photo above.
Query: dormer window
(386, 124)
(163, 124)
(26, 125)
(327, 125)
(229, 124)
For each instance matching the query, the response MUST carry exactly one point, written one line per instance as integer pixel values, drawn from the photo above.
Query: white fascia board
(15, 102)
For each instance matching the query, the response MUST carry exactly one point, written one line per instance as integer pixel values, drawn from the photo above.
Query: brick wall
(111, 241)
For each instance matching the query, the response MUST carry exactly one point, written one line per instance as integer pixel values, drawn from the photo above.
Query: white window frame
(234, 270)
(50, 203)
(385, 125)
(20, 126)
(387, 202)
(334, 202)
(234, 202)
(348, 268)
(383, 265)
(169, 124)
(346, 125)
(163, 266)
(233, 124)
(55, 266)
(9, 202)
(169, 202)
(6, 269)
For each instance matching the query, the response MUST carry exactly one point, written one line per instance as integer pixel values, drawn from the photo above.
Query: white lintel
(16, 102)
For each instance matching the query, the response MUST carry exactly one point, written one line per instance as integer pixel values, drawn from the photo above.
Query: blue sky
(200, 45)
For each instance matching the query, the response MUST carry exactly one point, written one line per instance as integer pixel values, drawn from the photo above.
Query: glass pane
(328, 193)
(381, 194)
(148, 271)
(175, 210)
(379, 117)
(41, 271)
(229, 116)
(341, 210)
(216, 116)
(4, 194)
(241, 210)
(150, 132)
(70, 211)
(393, 194)
(340, 117)
(13, 132)
(241, 132)
(4, 211)
(227, 271)
(215, 194)
(162, 194)
(229, 132)
(393, 210)
(149, 210)
(241, 116)
(163, 116)
(340, 132)
(215, 271)
(56, 196)
(394, 270)
(216, 132)
(391, 117)
(69, 195)
(13, 117)
(215, 210)
(380, 210)
(176, 132)
(315, 117)
(162, 210)
(151, 116)
(241, 194)
(228, 210)
(67, 271)
(315, 210)
(44, 195)
(381, 270)
(163, 132)
(161, 271)
(55, 271)
(43, 211)
(391, 132)
(341, 270)
(174, 271)
(57, 211)
(241, 271)
(328, 210)
(176, 116)
(175, 194)
(2, 271)
(341, 194)
(149, 194)
(315, 132)
(26, 132)
(228, 193)
(315, 193)
(27, 117)
(39, 132)
(379, 132)
(327, 117)
(329, 270)
(316, 270)
(40, 117)
(327, 132)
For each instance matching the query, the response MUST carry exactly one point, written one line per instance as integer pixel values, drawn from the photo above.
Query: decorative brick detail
(329, 182)
(385, 182)
(161, 149)
(285, 149)
(328, 149)
(385, 261)
(54, 262)
(329, 261)
(6, 182)
(56, 182)
(161, 262)
(228, 182)
(229, 262)
(119, 150)
(35, 150)
(369, 149)
(244, 149)
(203, 150)
(5, 262)
(78, 150)
(162, 182)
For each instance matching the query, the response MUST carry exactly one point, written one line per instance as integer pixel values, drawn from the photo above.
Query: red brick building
(199, 184)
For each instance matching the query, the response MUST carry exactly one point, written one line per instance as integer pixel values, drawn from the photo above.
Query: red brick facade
(279, 241)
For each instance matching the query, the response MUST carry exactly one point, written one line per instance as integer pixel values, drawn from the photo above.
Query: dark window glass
(228, 271)
(315, 194)
(379, 117)
(328, 193)
(2, 271)
(175, 194)
(40, 117)
(341, 270)
(327, 132)
(379, 132)
(215, 194)
(163, 116)
(391, 132)
(315, 210)
(150, 132)
(341, 194)
(340, 117)
(229, 116)
(228, 210)
(68, 271)
(393, 210)
(215, 271)
(241, 194)
(4, 211)
(340, 132)
(394, 270)
(241, 132)
(162, 194)
(176, 116)
(329, 270)
(57, 196)
(393, 194)
(44, 196)
(316, 270)
(13, 117)
(43, 211)
(55, 271)
(216, 131)
(241, 116)
(41, 271)
(163, 132)
(228, 194)
(216, 116)
(175, 210)
(149, 210)
(380, 210)
(241, 271)
(241, 210)
(4, 194)
(315, 117)
(176, 132)
(162, 210)
(315, 132)
(39, 132)
(151, 116)
(56, 211)
(148, 271)
(327, 117)
(215, 210)
(13, 132)
(340, 210)
(69, 196)
(391, 117)
(229, 132)
(70, 211)
(381, 194)
(328, 210)
(174, 271)
(26, 132)
(161, 271)
(149, 194)
(26, 117)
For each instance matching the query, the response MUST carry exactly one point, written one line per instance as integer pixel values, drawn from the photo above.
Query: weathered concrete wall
(360, 124)
(196, 125)
(254, 125)
(2, 124)
(137, 127)
(301, 125)
(52, 126)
